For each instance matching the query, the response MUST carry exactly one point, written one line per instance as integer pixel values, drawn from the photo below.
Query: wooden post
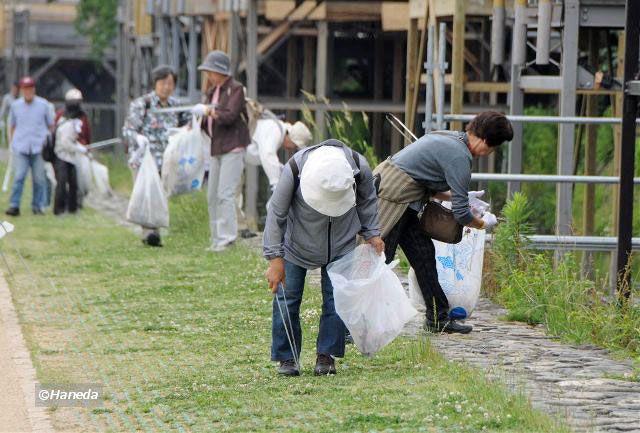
(412, 80)
(292, 72)
(378, 89)
(396, 94)
(251, 171)
(322, 59)
(307, 64)
(457, 62)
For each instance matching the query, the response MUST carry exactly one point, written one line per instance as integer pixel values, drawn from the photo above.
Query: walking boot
(325, 365)
(288, 368)
(13, 211)
(448, 326)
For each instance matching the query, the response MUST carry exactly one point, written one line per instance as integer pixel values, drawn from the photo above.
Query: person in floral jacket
(144, 127)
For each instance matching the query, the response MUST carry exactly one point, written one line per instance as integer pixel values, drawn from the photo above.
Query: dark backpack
(296, 170)
(49, 148)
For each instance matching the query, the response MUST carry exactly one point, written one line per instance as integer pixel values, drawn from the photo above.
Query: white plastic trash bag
(83, 173)
(369, 298)
(183, 161)
(415, 294)
(460, 271)
(99, 180)
(148, 205)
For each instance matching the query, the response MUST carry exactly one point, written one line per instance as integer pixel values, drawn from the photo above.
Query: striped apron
(396, 192)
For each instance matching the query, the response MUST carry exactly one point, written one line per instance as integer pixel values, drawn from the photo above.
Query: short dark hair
(491, 126)
(161, 72)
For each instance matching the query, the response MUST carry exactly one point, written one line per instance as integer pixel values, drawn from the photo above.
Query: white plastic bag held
(369, 298)
(460, 271)
(183, 161)
(148, 205)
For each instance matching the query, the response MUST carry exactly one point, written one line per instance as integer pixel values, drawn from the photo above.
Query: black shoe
(38, 212)
(288, 368)
(13, 211)
(324, 365)
(448, 326)
(152, 239)
(247, 234)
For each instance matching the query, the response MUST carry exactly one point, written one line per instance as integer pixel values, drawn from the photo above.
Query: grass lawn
(180, 340)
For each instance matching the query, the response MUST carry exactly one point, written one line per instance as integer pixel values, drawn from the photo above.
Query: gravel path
(582, 384)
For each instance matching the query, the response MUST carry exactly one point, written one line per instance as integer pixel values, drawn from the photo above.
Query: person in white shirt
(269, 136)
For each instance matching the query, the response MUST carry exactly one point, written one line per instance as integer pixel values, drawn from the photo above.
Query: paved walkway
(18, 412)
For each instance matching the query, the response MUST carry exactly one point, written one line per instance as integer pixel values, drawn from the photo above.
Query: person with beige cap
(324, 198)
(270, 135)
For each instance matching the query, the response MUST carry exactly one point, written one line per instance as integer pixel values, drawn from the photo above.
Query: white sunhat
(326, 181)
(299, 133)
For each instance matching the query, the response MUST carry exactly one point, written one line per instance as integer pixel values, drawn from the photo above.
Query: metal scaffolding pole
(627, 152)
(497, 33)
(516, 94)
(192, 62)
(566, 131)
(442, 68)
(428, 65)
(321, 75)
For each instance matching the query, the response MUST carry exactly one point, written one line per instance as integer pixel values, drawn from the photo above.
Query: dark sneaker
(324, 365)
(38, 212)
(13, 211)
(448, 326)
(247, 234)
(288, 368)
(153, 240)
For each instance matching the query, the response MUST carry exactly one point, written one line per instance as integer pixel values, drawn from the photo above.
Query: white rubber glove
(81, 149)
(490, 220)
(476, 194)
(142, 141)
(199, 110)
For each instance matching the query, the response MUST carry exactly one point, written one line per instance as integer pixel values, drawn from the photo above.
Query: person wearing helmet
(72, 134)
(145, 127)
(30, 120)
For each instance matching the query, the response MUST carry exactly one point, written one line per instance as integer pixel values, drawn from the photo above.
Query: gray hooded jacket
(308, 238)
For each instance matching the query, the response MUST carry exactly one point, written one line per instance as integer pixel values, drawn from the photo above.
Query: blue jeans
(331, 334)
(21, 165)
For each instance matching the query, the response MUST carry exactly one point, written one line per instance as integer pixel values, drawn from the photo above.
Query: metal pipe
(547, 178)
(428, 112)
(547, 119)
(519, 44)
(442, 68)
(583, 243)
(543, 32)
(192, 62)
(104, 143)
(497, 33)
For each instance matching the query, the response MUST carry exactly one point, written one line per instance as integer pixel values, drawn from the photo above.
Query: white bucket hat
(299, 134)
(326, 181)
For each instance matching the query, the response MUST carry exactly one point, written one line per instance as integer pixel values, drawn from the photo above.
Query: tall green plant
(346, 126)
(96, 19)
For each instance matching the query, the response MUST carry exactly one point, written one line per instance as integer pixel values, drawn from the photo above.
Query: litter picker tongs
(401, 128)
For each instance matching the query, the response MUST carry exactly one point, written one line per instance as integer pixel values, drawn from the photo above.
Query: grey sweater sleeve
(458, 177)
(367, 202)
(276, 224)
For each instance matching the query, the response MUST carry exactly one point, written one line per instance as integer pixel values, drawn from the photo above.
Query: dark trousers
(420, 252)
(330, 339)
(67, 188)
